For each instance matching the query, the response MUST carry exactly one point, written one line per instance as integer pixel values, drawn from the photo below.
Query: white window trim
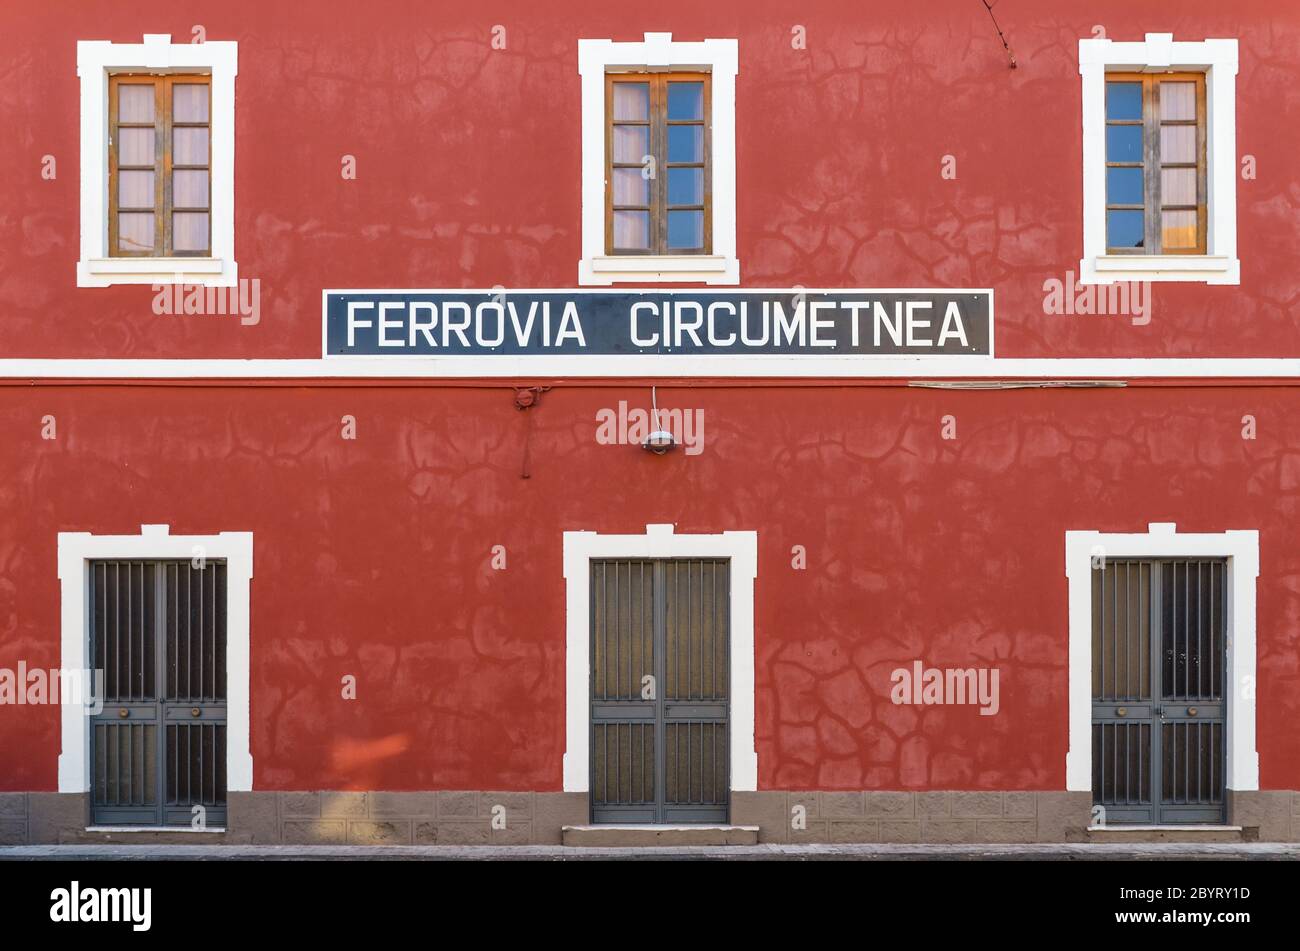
(1159, 53)
(721, 58)
(659, 541)
(76, 550)
(1162, 540)
(96, 60)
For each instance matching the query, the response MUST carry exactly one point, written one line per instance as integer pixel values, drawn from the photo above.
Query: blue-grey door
(660, 688)
(158, 746)
(1159, 634)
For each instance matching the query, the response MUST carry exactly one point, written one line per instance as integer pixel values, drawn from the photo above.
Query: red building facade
(1033, 583)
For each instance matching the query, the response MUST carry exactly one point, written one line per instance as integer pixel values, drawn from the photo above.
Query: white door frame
(1162, 540)
(76, 550)
(659, 541)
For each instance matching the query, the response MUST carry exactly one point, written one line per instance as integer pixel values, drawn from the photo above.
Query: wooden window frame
(658, 123)
(1151, 164)
(163, 125)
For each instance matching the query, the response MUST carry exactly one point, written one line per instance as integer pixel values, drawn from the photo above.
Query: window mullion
(165, 191)
(609, 166)
(1151, 163)
(659, 149)
(707, 195)
(114, 151)
(1202, 182)
(159, 160)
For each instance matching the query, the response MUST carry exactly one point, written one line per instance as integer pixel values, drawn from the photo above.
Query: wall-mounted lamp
(659, 442)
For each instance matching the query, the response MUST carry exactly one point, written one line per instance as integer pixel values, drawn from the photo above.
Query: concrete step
(638, 836)
(1136, 833)
(127, 836)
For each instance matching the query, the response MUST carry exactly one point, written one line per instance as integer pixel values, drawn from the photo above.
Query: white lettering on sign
(864, 322)
(402, 324)
(676, 323)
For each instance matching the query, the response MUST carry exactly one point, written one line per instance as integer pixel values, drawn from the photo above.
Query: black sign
(560, 323)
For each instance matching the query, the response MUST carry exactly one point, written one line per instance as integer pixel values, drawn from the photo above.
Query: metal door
(1158, 671)
(158, 747)
(660, 688)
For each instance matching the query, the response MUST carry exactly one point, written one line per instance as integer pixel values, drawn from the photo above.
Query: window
(658, 161)
(657, 164)
(1159, 160)
(159, 157)
(1155, 163)
(157, 162)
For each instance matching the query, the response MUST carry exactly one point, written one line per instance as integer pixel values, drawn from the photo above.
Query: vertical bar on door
(618, 637)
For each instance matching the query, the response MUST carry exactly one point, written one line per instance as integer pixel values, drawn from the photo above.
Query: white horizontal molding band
(635, 365)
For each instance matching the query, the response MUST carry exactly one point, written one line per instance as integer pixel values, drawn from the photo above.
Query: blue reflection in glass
(1123, 186)
(1124, 229)
(685, 229)
(686, 186)
(686, 100)
(1123, 143)
(685, 143)
(1123, 100)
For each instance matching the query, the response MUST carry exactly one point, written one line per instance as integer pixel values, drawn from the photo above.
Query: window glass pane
(631, 143)
(632, 230)
(686, 186)
(1123, 143)
(630, 188)
(685, 143)
(1177, 230)
(1124, 186)
(135, 147)
(1177, 101)
(190, 231)
(190, 188)
(1123, 100)
(190, 102)
(190, 146)
(135, 232)
(1178, 143)
(685, 229)
(135, 102)
(686, 100)
(1124, 229)
(632, 101)
(1178, 186)
(135, 190)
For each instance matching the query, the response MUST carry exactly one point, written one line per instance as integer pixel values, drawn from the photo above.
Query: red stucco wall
(372, 558)
(468, 159)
